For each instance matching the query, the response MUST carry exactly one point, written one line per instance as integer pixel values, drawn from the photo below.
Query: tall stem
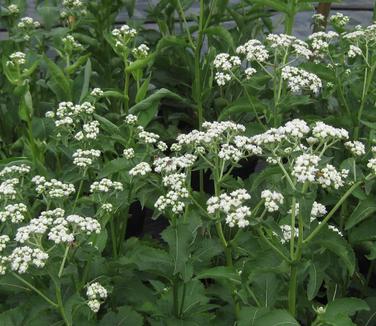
(63, 261)
(61, 305)
(292, 289)
(32, 287)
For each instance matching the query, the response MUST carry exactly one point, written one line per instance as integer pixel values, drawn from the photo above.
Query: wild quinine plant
(291, 219)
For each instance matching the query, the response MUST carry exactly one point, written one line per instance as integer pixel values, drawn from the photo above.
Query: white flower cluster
(61, 229)
(106, 185)
(253, 50)
(223, 62)
(13, 212)
(128, 153)
(356, 147)
(90, 131)
(142, 168)
(354, 51)
(232, 205)
(52, 188)
(142, 51)
(285, 41)
(287, 233)
(213, 132)
(130, 119)
(322, 131)
(371, 165)
(27, 23)
(230, 153)
(71, 44)
(162, 146)
(146, 136)
(8, 188)
(15, 170)
(330, 177)
(318, 210)
(4, 239)
(273, 200)
(123, 35)
(305, 168)
(175, 196)
(96, 92)
(339, 20)
(299, 80)
(320, 42)
(13, 9)
(96, 294)
(23, 257)
(172, 164)
(84, 158)
(16, 59)
(67, 113)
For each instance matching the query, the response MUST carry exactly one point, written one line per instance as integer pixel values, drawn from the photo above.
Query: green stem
(182, 300)
(63, 261)
(175, 297)
(272, 246)
(331, 213)
(113, 237)
(290, 17)
(126, 87)
(35, 290)
(292, 289)
(61, 306)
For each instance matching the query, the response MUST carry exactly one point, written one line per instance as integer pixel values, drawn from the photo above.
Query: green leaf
(124, 316)
(141, 93)
(140, 63)
(274, 4)
(61, 84)
(339, 247)
(276, 318)
(87, 75)
(178, 238)
(315, 278)
(345, 306)
(364, 209)
(220, 272)
(148, 108)
(222, 33)
(249, 315)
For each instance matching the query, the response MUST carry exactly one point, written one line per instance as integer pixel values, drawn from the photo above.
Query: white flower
(7, 188)
(305, 168)
(96, 294)
(287, 233)
(4, 239)
(147, 137)
(128, 153)
(273, 200)
(222, 78)
(253, 50)
(105, 185)
(323, 131)
(17, 58)
(354, 51)
(52, 188)
(318, 210)
(97, 92)
(231, 205)
(13, 9)
(299, 80)
(339, 19)
(13, 212)
(107, 207)
(90, 131)
(131, 119)
(249, 72)
(162, 146)
(15, 170)
(22, 257)
(330, 177)
(140, 169)
(84, 158)
(141, 51)
(356, 147)
(371, 164)
(230, 153)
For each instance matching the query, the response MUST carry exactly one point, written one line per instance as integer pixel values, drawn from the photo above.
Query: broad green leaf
(274, 4)
(87, 75)
(345, 306)
(364, 209)
(124, 316)
(276, 318)
(140, 63)
(220, 272)
(223, 34)
(141, 93)
(315, 279)
(61, 84)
